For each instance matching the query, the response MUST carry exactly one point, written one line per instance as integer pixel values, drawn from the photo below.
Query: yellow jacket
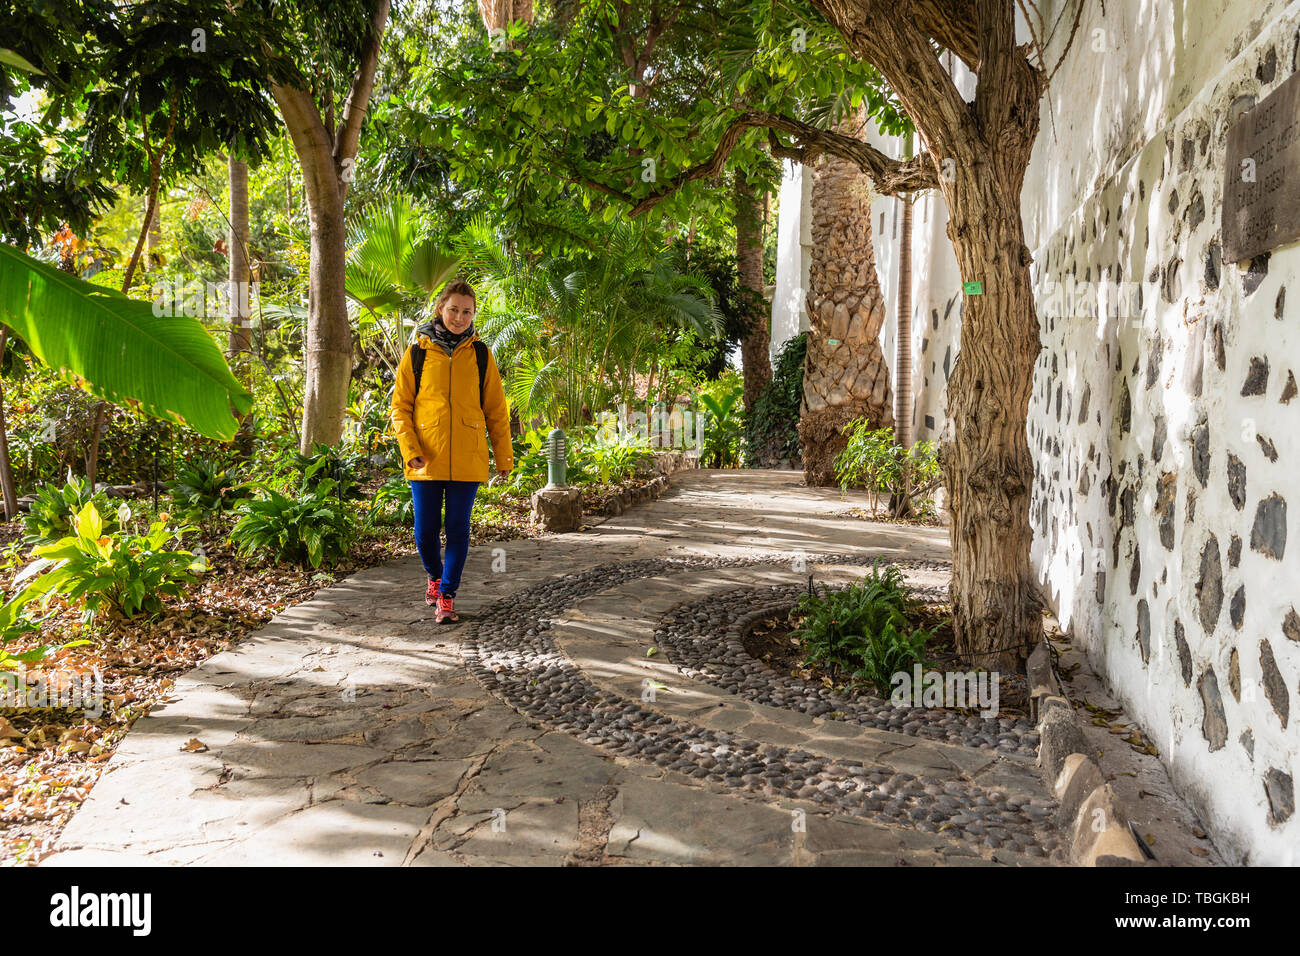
(444, 424)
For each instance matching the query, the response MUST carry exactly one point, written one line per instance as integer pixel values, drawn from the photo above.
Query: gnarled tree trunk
(845, 372)
(749, 267)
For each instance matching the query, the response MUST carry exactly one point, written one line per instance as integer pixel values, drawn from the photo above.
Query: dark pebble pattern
(509, 651)
(690, 634)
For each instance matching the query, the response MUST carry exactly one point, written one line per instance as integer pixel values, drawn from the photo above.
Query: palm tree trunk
(846, 376)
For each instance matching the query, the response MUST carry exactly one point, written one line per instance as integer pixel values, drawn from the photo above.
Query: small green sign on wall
(972, 288)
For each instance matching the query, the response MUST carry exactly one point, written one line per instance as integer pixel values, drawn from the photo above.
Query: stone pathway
(543, 729)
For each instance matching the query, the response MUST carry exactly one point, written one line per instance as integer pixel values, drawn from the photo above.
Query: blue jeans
(428, 497)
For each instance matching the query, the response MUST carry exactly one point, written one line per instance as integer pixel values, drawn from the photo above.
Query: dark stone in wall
(1281, 796)
(1184, 653)
(1256, 273)
(1213, 262)
(1196, 211)
(1084, 399)
(1268, 535)
(1158, 439)
(1135, 571)
(1173, 200)
(1280, 303)
(1257, 378)
(1274, 686)
(1058, 402)
(1099, 587)
(1234, 551)
(1289, 391)
(1125, 410)
(1267, 447)
(1214, 725)
(1209, 586)
(1236, 481)
(1267, 68)
(1191, 505)
(1166, 492)
(1172, 287)
(1220, 355)
(1144, 630)
(947, 362)
(1127, 506)
(1154, 357)
(1247, 741)
(1201, 452)
(1237, 607)
(929, 422)
(1291, 625)
(1234, 675)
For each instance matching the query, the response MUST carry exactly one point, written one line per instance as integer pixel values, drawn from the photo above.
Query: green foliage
(53, 512)
(772, 425)
(203, 487)
(725, 427)
(167, 365)
(123, 572)
(873, 460)
(392, 503)
(307, 529)
(607, 458)
(863, 630)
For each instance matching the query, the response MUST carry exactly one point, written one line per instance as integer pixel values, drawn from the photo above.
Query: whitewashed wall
(1165, 435)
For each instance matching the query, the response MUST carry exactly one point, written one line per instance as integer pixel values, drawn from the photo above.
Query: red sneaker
(433, 592)
(445, 610)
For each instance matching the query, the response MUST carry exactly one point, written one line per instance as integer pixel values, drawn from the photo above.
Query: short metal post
(557, 447)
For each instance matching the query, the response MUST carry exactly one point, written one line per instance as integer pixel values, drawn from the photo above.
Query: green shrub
(872, 460)
(307, 529)
(123, 572)
(392, 502)
(864, 630)
(608, 460)
(772, 425)
(203, 488)
(725, 428)
(54, 509)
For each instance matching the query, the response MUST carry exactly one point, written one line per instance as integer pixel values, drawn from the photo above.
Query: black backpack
(417, 366)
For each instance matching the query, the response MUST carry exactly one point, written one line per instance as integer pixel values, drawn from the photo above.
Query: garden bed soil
(773, 641)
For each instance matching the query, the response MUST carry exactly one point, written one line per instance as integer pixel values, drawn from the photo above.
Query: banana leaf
(166, 366)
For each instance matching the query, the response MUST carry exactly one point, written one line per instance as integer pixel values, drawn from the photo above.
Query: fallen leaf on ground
(194, 745)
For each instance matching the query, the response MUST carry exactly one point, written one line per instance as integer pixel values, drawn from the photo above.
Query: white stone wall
(1166, 434)
(790, 295)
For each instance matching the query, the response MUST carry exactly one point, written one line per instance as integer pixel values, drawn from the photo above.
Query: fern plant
(863, 631)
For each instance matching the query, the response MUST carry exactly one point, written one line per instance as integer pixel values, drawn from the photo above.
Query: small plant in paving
(863, 631)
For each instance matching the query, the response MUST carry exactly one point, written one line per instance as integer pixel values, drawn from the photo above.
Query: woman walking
(447, 393)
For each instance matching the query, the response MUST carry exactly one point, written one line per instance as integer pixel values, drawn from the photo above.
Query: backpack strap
(417, 366)
(481, 355)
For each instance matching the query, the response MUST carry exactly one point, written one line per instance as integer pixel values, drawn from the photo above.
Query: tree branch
(354, 110)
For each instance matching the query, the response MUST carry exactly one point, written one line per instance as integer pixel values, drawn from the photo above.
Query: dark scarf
(444, 337)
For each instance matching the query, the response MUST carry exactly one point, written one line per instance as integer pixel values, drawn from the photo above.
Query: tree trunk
(327, 159)
(240, 293)
(749, 267)
(6, 472)
(987, 466)
(845, 372)
(903, 355)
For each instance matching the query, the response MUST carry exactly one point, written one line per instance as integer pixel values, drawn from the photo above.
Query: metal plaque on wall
(1261, 187)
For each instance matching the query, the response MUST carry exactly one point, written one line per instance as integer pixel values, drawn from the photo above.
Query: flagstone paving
(592, 707)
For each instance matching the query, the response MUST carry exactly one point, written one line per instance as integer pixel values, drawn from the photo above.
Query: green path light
(557, 448)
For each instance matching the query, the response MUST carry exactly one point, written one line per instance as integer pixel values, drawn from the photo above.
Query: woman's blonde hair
(454, 287)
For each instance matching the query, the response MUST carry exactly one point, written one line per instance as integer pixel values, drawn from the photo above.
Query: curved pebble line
(508, 650)
(689, 631)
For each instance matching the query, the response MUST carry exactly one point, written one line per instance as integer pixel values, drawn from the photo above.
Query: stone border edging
(1074, 776)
